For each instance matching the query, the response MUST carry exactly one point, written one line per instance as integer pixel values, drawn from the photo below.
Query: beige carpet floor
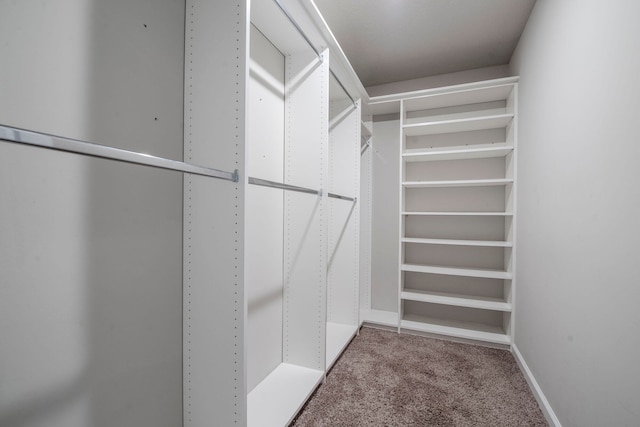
(389, 379)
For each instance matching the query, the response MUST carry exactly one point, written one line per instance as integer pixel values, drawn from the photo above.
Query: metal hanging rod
(343, 88)
(37, 139)
(297, 27)
(273, 184)
(366, 145)
(337, 196)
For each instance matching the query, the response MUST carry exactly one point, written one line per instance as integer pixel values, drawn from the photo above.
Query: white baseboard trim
(535, 388)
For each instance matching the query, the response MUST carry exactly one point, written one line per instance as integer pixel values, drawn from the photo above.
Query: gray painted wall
(577, 318)
(385, 216)
(91, 250)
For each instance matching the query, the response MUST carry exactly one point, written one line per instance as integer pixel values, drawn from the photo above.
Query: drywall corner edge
(546, 408)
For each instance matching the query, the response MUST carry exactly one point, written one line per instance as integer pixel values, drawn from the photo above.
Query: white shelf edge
(432, 213)
(456, 329)
(339, 336)
(457, 300)
(457, 125)
(452, 242)
(278, 398)
(443, 90)
(458, 183)
(456, 153)
(379, 317)
(453, 271)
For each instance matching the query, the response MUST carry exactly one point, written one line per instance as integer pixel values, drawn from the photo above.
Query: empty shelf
(457, 183)
(455, 271)
(461, 97)
(458, 125)
(338, 337)
(486, 243)
(466, 330)
(483, 303)
(432, 213)
(456, 153)
(278, 398)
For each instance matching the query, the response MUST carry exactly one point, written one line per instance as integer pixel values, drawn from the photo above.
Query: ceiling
(394, 40)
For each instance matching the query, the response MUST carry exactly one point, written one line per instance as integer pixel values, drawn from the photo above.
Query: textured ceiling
(393, 40)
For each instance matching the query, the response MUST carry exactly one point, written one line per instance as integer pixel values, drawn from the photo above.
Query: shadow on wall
(92, 249)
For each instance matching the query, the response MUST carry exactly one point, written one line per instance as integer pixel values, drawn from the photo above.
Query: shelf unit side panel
(265, 209)
(305, 220)
(510, 286)
(343, 258)
(216, 74)
(365, 205)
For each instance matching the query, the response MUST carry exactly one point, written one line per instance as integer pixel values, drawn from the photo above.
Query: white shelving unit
(343, 243)
(458, 165)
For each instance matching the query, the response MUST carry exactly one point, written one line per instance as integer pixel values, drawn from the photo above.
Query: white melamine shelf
(458, 125)
(465, 330)
(452, 242)
(431, 213)
(456, 271)
(458, 183)
(278, 398)
(484, 303)
(456, 153)
(338, 337)
(379, 317)
(462, 97)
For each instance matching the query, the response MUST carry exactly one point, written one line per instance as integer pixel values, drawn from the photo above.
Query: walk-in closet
(264, 213)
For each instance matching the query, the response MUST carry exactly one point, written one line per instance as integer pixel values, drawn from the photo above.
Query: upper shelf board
(437, 213)
(387, 104)
(454, 242)
(459, 125)
(458, 183)
(457, 153)
(455, 271)
(463, 97)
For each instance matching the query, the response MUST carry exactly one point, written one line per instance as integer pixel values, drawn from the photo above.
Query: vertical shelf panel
(365, 229)
(265, 209)
(305, 222)
(343, 282)
(216, 57)
(343, 257)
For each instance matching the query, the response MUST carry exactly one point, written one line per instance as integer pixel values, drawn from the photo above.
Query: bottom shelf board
(278, 398)
(338, 337)
(471, 331)
(379, 317)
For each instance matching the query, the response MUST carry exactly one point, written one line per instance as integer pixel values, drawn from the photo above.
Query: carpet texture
(389, 379)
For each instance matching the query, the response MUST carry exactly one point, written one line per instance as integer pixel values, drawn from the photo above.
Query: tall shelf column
(216, 57)
(457, 209)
